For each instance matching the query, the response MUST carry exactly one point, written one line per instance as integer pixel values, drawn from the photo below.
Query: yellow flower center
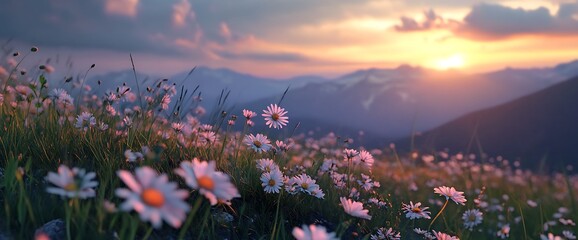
(206, 182)
(416, 210)
(257, 143)
(304, 185)
(275, 116)
(153, 197)
(271, 182)
(71, 187)
(472, 217)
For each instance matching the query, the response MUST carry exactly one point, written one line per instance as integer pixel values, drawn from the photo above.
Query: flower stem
(437, 215)
(276, 216)
(190, 218)
(148, 233)
(68, 213)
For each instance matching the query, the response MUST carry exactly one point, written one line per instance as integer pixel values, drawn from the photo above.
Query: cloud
(486, 22)
(431, 21)
(116, 25)
(492, 22)
(121, 7)
(182, 11)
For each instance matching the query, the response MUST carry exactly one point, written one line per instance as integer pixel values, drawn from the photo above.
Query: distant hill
(541, 128)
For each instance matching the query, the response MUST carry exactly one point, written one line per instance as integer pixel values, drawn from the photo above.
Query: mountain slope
(540, 125)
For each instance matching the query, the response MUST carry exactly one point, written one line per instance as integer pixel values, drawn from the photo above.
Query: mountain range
(385, 103)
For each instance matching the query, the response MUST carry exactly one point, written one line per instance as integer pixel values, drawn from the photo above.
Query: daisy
(415, 211)
(214, 185)
(75, 183)
(177, 126)
(207, 138)
(266, 165)
(365, 158)
(153, 197)
(248, 114)
(451, 193)
(284, 147)
(550, 236)
(383, 234)
(568, 234)
(85, 120)
(305, 183)
(272, 181)
(133, 156)
(472, 218)
(313, 232)
(258, 142)
(354, 208)
(504, 232)
(350, 153)
(275, 116)
(443, 236)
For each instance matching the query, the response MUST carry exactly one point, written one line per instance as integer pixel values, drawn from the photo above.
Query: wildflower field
(140, 164)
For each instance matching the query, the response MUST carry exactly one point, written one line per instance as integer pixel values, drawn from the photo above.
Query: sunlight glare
(452, 62)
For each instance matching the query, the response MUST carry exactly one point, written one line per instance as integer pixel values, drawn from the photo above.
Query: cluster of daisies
(149, 193)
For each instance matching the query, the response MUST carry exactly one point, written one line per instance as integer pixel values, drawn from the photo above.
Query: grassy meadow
(140, 164)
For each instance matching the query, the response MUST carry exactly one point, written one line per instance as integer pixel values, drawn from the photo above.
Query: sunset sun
(455, 61)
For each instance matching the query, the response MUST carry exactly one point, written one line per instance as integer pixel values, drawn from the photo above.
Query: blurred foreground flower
(214, 185)
(354, 208)
(153, 197)
(75, 183)
(313, 232)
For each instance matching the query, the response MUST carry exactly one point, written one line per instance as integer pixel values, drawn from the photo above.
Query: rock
(53, 230)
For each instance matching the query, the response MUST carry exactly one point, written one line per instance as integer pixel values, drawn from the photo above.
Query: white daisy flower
(472, 218)
(386, 234)
(350, 154)
(214, 185)
(75, 183)
(266, 165)
(305, 183)
(248, 114)
(568, 234)
(354, 208)
(272, 181)
(153, 197)
(258, 142)
(451, 193)
(504, 232)
(415, 211)
(550, 236)
(85, 120)
(443, 236)
(275, 116)
(365, 158)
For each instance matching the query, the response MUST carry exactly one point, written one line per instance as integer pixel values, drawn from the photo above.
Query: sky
(284, 38)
